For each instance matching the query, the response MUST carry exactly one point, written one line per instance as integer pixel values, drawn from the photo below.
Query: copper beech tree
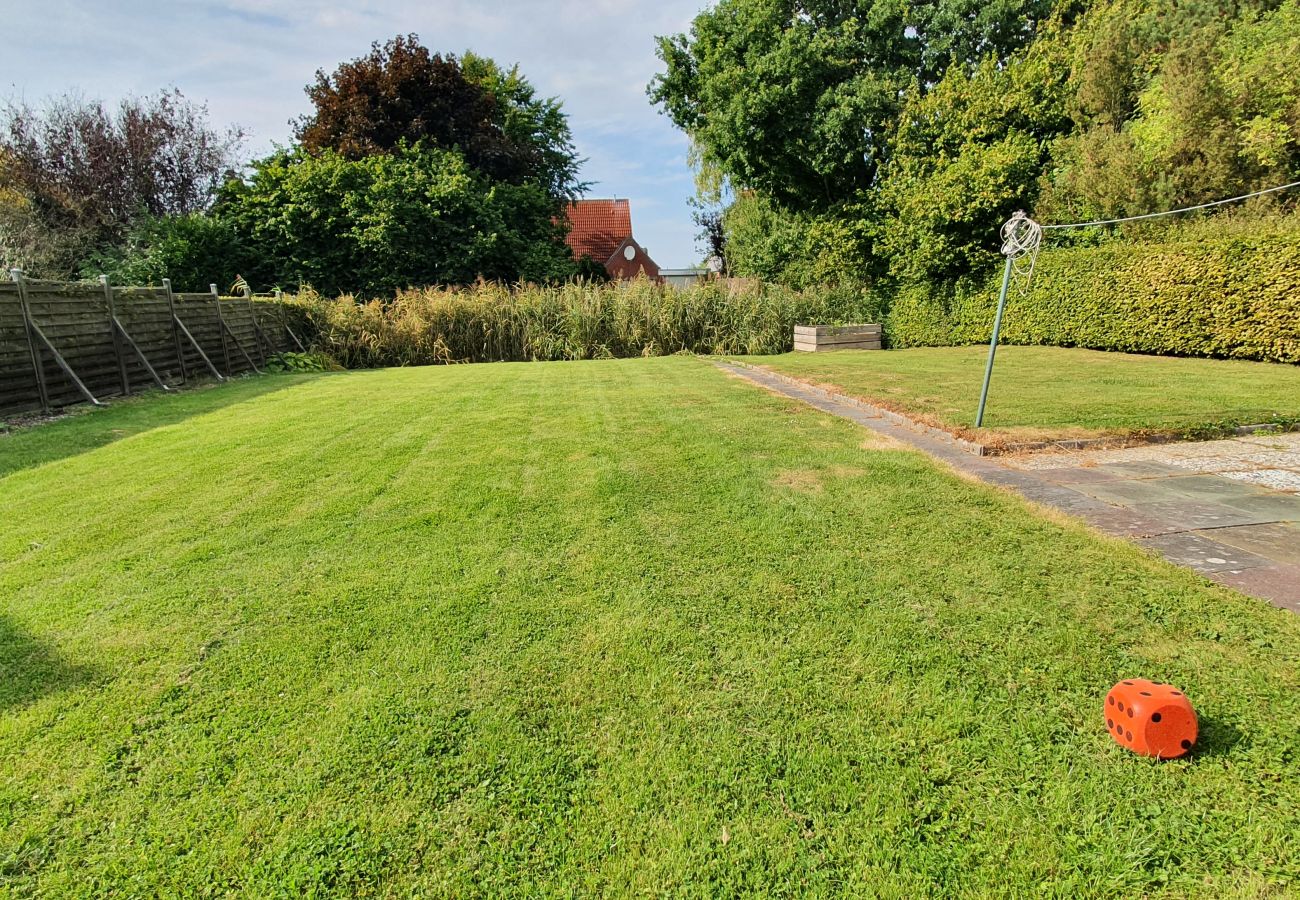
(401, 93)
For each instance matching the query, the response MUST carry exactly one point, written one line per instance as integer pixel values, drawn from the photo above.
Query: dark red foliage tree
(400, 92)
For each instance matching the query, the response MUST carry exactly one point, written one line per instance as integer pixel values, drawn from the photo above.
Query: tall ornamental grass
(579, 320)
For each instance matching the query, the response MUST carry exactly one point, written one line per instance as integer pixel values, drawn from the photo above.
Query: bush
(578, 320)
(379, 223)
(1232, 297)
(300, 362)
(194, 251)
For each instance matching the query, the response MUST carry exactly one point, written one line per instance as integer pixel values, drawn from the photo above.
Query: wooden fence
(63, 343)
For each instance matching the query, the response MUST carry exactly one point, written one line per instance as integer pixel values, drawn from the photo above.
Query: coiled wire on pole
(1021, 238)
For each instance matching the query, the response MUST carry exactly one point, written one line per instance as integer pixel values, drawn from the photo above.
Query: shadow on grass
(86, 428)
(29, 669)
(1214, 738)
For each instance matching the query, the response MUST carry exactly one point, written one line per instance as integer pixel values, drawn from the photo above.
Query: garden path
(1229, 510)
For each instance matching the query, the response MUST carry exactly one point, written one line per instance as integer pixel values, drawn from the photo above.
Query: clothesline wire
(1171, 212)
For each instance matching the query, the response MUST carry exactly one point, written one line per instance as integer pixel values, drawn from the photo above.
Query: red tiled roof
(598, 227)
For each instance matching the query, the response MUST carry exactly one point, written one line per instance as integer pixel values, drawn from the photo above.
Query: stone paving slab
(1140, 469)
(1236, 533)
(1277, 540)
(1095, 475)
(1130, 493)
(1275, 507)
(1195, 515)
(1126, 523)
(1209, 487)
(1279, 585)
(1202, 554)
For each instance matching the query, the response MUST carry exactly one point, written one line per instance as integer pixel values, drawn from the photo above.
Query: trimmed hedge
(1236, 298)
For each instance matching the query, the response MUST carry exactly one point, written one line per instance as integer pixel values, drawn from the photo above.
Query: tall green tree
(530, 121)
(1177, 104)
(798, 100)
(965, 156)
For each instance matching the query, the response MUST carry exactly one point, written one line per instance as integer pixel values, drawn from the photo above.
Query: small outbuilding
(683, 278)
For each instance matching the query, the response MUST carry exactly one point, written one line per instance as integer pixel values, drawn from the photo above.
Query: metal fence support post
(221, 327)
(176, 331)
(117, 338)
(28, 326)
(144, 360)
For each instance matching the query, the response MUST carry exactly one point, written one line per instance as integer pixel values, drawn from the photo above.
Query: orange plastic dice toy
(1151, 719)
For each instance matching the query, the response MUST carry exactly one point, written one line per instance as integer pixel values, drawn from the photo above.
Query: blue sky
(250, 59)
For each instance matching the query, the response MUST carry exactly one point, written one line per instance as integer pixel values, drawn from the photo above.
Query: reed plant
(488, 321)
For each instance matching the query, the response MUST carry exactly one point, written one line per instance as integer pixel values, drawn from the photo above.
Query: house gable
(619, 265)
(602, 230)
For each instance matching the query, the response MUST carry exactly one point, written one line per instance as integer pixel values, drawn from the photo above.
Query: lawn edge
(965, 438)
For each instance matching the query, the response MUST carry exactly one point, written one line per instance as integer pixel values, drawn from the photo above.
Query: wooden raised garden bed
(814, 338)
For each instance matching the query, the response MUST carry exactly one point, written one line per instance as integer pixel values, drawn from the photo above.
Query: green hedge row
(1237, 297)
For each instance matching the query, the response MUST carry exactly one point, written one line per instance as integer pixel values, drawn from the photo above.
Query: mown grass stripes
(598, 627)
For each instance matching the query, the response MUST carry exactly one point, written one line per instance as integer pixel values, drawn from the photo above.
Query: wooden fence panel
(146, 316)
(199, 314)
(17, 381)
(239, 320)
(75, 318)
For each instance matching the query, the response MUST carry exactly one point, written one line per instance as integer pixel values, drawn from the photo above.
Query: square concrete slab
(1271, 507)
(1279, 585)
(1201, 553)
(1131, 493)
(1194, 515)
(1279, 541)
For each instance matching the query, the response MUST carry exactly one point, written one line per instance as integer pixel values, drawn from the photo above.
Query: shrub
(1232, 297)
(193, 250)
(289, 361)
(577, 320)
(379, 223)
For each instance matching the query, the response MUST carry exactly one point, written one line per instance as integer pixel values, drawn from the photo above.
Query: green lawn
(1056, 391)
(616, 627)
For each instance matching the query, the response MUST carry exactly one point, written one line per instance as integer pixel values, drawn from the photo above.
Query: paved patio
(1271, 461)
(1229, 510)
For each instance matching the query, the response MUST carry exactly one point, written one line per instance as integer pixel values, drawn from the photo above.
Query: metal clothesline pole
(1021, 237)
(993, 343)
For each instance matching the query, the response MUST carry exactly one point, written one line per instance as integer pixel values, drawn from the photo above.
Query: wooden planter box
(814, 338)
